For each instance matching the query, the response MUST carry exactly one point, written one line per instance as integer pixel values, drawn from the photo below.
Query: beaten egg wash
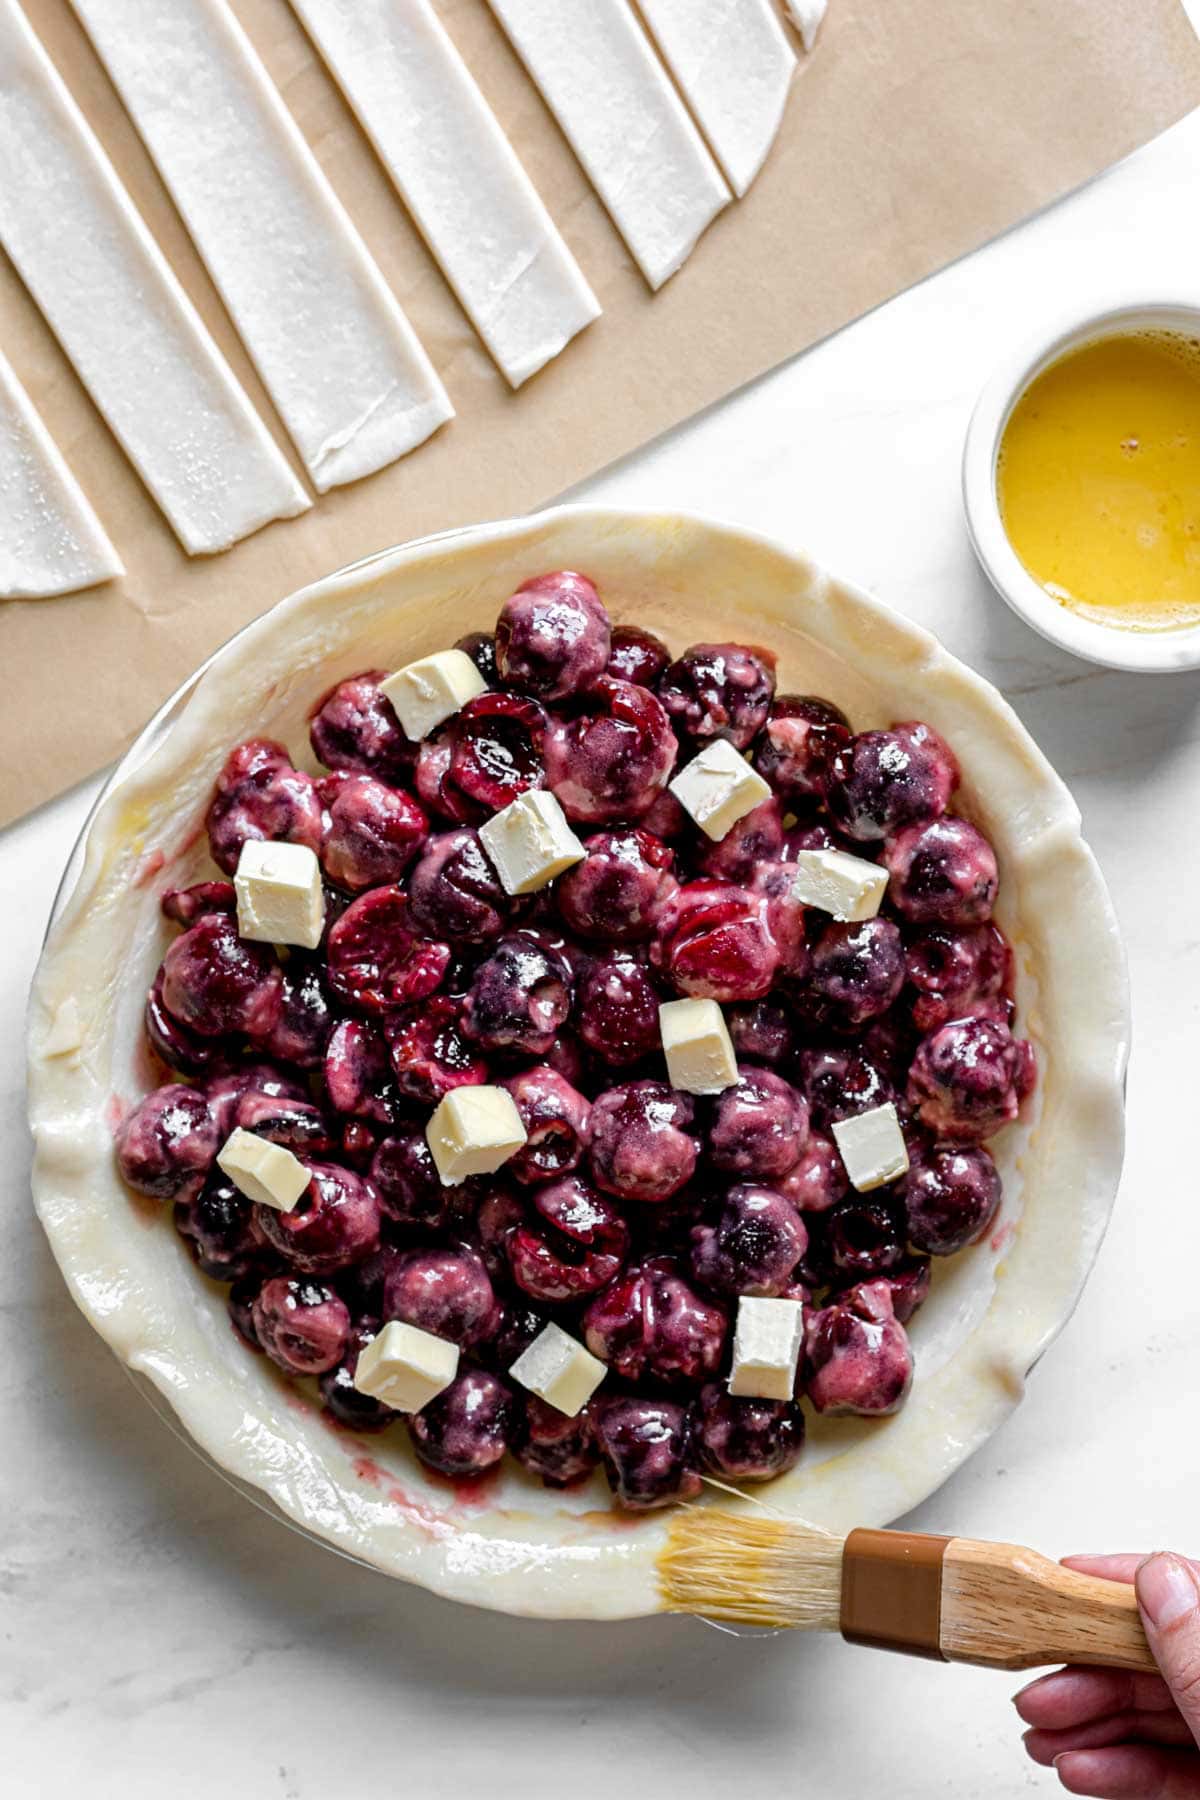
(1098, 480)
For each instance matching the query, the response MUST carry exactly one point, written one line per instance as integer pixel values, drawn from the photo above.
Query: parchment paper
(917, 130)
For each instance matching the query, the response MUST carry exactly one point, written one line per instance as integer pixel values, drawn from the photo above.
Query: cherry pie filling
(635, 1216)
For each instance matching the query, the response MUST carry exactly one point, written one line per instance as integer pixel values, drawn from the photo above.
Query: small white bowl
(1162, 651)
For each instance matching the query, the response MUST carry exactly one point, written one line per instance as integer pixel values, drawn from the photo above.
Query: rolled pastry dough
(334, 349)
(625, 122)
(734, 64)
(135, 338)
(457, 173)
(51, 542)
(806, 16)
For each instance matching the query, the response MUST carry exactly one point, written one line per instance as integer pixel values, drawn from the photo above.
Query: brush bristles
(752, 1570)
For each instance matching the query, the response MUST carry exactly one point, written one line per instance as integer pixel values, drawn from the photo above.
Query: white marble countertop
(159, 1634)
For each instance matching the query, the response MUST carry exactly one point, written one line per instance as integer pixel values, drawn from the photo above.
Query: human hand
(1117, 1736)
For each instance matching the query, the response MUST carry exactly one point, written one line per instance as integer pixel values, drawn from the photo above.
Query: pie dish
(992, 1311)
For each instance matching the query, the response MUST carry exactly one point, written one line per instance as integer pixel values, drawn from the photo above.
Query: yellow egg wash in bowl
(515, 1545)
(1098, 479)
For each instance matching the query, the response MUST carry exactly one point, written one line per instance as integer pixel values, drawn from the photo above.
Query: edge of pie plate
(512, 1544)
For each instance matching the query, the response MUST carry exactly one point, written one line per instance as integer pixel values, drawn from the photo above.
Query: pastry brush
(951, 1599)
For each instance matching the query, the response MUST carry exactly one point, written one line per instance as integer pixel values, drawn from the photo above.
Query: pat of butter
(697, 1046)
(530, 842)
(872, 1147)
(849, 887)
(280, 899)
(559, 1370)
(718, 787)
(406, 1367)
(266, 1173)
(65, 1035)
(766, 1348)
(473, 1132)
(426, 693)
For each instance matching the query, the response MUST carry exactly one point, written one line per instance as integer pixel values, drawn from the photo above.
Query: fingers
(1112, 1568)
(1072, 1697)
(1168, 1594)
(1131, 1772)
(1108, 1568)
(1166, 1728)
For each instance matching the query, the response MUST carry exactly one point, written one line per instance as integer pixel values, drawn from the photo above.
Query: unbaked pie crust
(517, 1546)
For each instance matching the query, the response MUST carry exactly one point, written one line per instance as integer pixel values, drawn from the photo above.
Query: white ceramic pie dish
(522, 1548)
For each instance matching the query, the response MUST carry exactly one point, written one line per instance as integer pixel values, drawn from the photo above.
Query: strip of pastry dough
(734, 64)
(51, 542)
(457, 173)
(334, 349)
(135, 339)
(627, 125)
(807, 17)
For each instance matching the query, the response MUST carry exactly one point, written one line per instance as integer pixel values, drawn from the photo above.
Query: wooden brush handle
(957, 1600)
(1010, 1608)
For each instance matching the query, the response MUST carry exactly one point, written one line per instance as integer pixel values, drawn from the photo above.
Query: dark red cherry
(455, 893)
(557, 1121)
(334, 1223)
(748, 1440)
(883, 780)
(520, 995)
(951, 1196)
(754, 1246)
(374, 832)
(559, 1449)
(651, 1323)
(648, 1451)
(572, 1244)
(302, 1325)
(553, 636)
(617, 1009)
(429, 1051)
(643, 1145)
(715, 942)
(168, 1142)
(637, 655)
(759, 1127)
(857, 1356)
(464, 1431)
(215, 984)
(612, 760)
(943, 872)
(616, 893)
(969, 1079)
(719, 690)
(355, 728)
(377, 957)
(799, 741)
(260, 795)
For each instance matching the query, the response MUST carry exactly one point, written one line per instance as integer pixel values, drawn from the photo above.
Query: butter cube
(530, 842)
(472, 1132)
(406, 1367)
(766, 1348)
(849, 887)
(426, 693)
(266, 1173)
(697, 1046)
(559, 1370)
(872, 1147)
(65, 1035)
(280, 899)
(718, 787)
